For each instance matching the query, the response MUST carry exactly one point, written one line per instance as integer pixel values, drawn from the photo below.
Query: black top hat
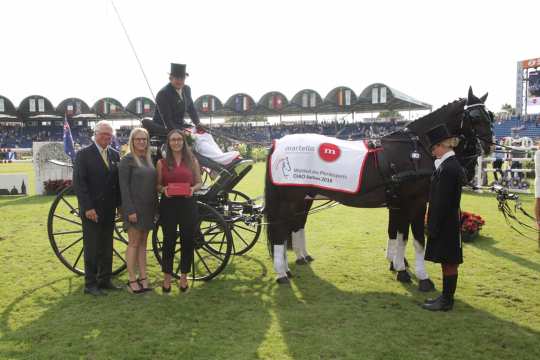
(178, 70)
(438, 134)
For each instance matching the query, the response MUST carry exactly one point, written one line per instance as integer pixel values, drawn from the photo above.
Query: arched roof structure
(380, 97)
(273, 102)
(141, 106)
(74, 107)
(208, 105)
(8, 112)
(239, 104)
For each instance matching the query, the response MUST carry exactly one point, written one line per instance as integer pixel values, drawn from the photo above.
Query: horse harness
(392, 176)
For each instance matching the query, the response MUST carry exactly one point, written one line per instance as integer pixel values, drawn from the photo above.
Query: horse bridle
(468, 133)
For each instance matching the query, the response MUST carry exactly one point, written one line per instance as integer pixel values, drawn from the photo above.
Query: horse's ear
(483, 98)
(470, 96)
(471, 99)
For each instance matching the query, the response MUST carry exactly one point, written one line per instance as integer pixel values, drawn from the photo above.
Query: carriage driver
(174, 100)
(444, 235)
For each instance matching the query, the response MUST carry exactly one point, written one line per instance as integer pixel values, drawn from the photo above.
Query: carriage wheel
(65, 234)
(212, 233)
(245, 227)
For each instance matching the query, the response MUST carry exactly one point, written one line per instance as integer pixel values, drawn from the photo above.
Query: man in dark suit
(95, 180)
(444, 223)
(174, 100)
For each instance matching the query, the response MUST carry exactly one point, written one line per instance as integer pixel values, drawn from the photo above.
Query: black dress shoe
(94, 291)
(109, 286)
(431, 301)
(302, 261)
(309, 258)
(289, 274)
(166, 290)
(441, 304)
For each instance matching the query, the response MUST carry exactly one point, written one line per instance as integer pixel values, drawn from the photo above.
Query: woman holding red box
(179, 176)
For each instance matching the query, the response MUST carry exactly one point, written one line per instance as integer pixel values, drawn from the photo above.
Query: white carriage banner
(318, 161)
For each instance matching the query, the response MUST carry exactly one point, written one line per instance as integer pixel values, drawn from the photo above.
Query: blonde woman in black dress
(138, 181)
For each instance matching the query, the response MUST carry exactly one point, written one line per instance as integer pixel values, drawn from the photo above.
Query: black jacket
(444, 235)
(95, 185)
(170, 108)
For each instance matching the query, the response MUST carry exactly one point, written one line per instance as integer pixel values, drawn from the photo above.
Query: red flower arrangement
(471, 224)
(53, 187)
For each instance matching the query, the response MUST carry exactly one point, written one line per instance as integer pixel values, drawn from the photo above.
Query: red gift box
(179, 189)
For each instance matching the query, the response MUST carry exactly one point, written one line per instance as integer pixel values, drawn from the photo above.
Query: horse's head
(478, 122)
(476, 132)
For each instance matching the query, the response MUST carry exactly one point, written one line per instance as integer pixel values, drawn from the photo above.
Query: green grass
(346, 305)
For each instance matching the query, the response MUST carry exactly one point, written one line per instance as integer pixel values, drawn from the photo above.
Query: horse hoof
(426, 285)
(289, 274)
(283, 280)
(403, 276)
(301, 261)
(309, 258)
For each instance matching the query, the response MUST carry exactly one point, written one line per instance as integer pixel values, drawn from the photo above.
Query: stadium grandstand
(36, 119)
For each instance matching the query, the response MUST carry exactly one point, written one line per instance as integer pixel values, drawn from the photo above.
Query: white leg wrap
(399, 257)
(391, 249)
(285, 260)
(297, 239)
(279, 261)
(302, 237)
(419, 251)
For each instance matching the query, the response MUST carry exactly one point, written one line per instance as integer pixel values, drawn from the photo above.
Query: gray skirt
(146, 218)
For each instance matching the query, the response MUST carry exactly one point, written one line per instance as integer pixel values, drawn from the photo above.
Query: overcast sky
(431, 50)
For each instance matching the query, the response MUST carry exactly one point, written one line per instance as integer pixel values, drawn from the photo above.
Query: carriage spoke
(74, 210)
(204, 262)
(68, 220)
(215, 255)
(244, 228)
(240, 236)
(76, 241)
(68, 232)
(78, 258)
(119, 256)
(211, 239)
(210, 228)
(222, 242)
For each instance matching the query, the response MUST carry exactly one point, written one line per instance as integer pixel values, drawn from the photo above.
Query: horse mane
(443, 115)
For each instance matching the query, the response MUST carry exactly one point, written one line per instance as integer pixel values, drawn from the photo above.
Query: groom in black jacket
(95, 181)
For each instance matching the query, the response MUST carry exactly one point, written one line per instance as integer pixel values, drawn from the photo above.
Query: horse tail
(271, 206)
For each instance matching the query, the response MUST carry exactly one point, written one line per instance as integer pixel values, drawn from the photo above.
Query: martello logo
(329, 152)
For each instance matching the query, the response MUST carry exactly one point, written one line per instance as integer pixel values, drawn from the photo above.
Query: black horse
(396, 175)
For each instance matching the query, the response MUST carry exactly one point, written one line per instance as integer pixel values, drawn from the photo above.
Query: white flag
(383, 95)
(347, 97)
(375, 95)
(32, 105)
(313, 102)
(41, 105)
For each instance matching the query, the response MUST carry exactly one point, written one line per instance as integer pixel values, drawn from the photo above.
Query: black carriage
(229, 224)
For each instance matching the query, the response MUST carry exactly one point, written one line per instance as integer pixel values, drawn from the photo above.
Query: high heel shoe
(145, 289)
(166, 290)
(183, 288)
(133, 291)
